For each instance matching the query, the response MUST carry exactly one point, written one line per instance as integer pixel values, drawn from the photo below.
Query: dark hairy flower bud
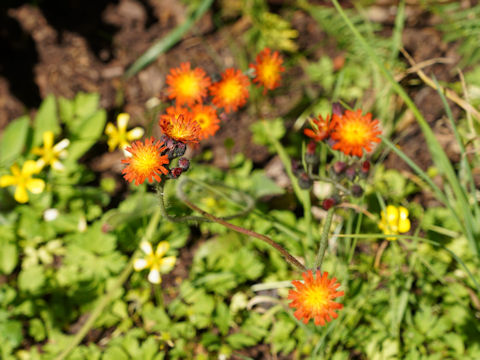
(337, 109)
(365, 169)
(296, 168)
(175, 173)
(179, 150)
(351, 172)
(184, 163)
(328, 203)
(357, 190)
(339, 167)
(304, 181)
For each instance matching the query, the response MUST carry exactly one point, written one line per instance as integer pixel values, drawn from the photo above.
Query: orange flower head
(146, 161)
(267, 69)
(187, 85)
(206, 117)
(354, 132)
(314, 298)
(232, 91)
(180, 128)
(321, 128)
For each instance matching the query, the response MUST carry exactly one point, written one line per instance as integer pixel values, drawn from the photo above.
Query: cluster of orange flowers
(350, 131)
(191, 119)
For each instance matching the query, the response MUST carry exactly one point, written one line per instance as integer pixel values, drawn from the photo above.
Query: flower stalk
(324, 239)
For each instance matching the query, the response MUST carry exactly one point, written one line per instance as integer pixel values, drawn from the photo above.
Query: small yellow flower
(155, 261)
(119, 136)
(23, 180)
(394, 221)
(49, 153)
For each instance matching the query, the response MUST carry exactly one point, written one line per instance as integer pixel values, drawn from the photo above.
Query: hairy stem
(324, 240)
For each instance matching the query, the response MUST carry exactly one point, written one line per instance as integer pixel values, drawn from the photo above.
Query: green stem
(324, 240)
(107, 297)
(288, 257)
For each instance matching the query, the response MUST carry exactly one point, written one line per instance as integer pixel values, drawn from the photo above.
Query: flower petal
(7, 180)
(61, 145)
(57, 165)
(154, 276)
(146, 247)
(140, 264)
(110, 129)
(35, 186)
(48, 139)
(167, 264)
(162, 248)
(29, 168)
(135, 134)
(122, 121)
(21, 194)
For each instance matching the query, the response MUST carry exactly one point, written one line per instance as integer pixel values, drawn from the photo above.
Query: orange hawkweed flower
(206, 117)
(187, 85)
(181, 128)
(314, 298)
(232, 91)
(146, 161)
(354, 132)
(268, 69)
(321, 128)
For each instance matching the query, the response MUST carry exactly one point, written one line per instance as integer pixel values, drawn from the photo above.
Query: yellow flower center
(316, 297)
(355, 132)
(269, 72)
(145, 160)
(231, 90)
(188, 85)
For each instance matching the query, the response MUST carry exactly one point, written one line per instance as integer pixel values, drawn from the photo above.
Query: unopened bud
(339, 167)
(357, 190)
(184, 163)
(304, 181)
(179, 149)
(296, 168)
(328, 203)
(365, 169)
(175, 173)
(337, 109)
(351, 172)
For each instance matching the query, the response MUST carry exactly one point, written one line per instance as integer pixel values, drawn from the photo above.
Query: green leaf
(31, 279)
(88, 132)
(8, 256)
(266, 131)
(37, 330)
(13, 140)
(46, 120)
(66, 110)
(86, 104)
(11, 332)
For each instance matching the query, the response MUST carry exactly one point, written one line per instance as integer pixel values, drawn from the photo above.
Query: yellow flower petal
(162, 248)
(21, 194)
(48, 139)
(392, 214)
(135, 134)
(140, 264)
(15, 170)
(7, 180)
(403, 225)
(35, 186)
(57, 165)
(110, 129)
(62, 145)
(146, 247)
(167, 264)
(29, 168)
(154, 276)
(122, 121)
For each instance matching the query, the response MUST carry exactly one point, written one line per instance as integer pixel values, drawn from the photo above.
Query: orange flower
(232, 91)
(314, 298)
(180, 128)
(146, 161)
(354, 132)
(321, 128)
(206, 117)
(268, 69)
(186, 85)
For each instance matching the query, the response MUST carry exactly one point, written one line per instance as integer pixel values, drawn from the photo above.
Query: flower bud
(304, 181)
(296, 168)
(175, 173)
(328, 203)
(179, 149)
(365, 169)
(351, 172)
(337, 109)
(357, 190)
(184, 163)
(339, 167)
